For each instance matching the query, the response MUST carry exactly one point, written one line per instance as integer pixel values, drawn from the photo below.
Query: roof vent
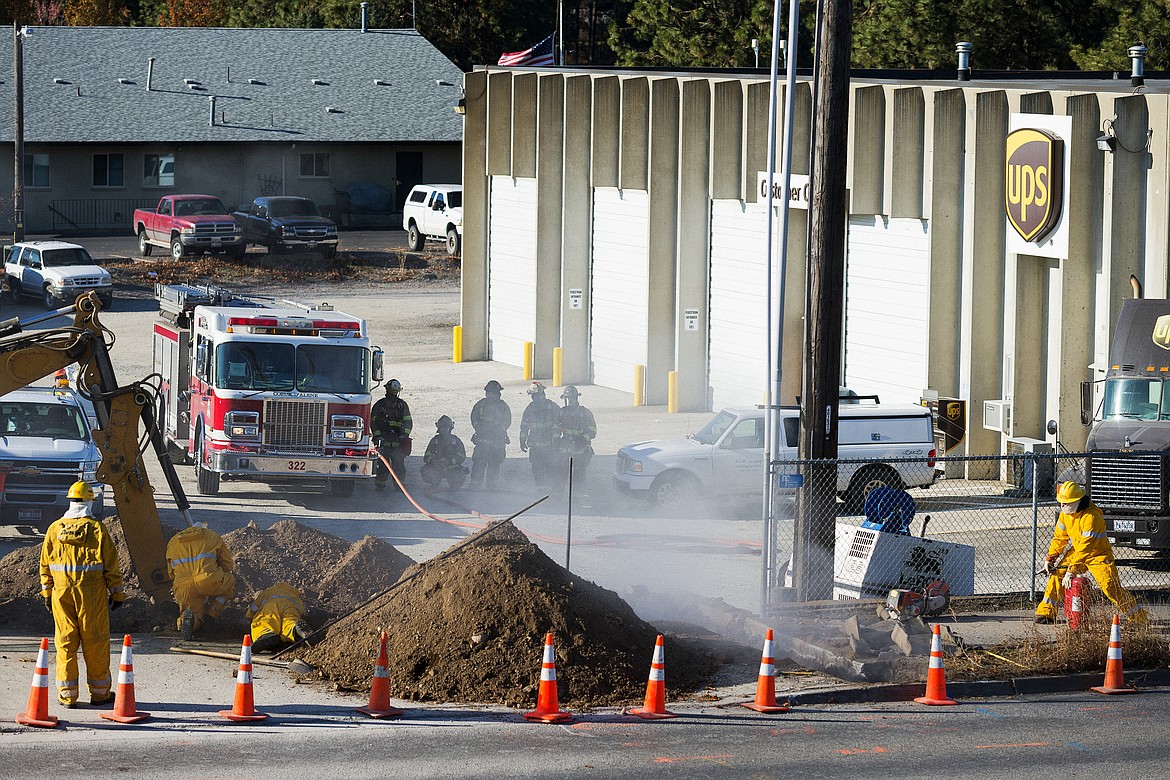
(381, 83)
(320, 83)
(189, 82)
(196, 88)
(62, 81)
(126, 81)
(257, 82)
(333, 110)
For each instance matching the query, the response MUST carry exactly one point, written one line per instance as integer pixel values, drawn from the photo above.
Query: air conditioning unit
(997, 415)
(1019, 466)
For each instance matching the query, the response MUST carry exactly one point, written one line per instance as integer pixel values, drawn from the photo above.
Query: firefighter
(390, 427)
(539, 429)
(444, 456)
(490, 418)
(200, 566)
(278, 617)
(80, 583)
(1081, 526)
(578, 429)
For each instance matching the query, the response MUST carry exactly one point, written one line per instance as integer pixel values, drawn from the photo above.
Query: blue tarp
(889, 510)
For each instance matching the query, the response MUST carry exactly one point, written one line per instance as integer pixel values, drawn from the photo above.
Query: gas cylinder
(1076, 602)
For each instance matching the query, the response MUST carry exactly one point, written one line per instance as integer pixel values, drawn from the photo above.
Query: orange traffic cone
(379, 706)
(654, 708)
(37, 712)
(548, 709)
(936, 678)
(124, 704)
(766, 683)
(1114, 675)
(243, 709)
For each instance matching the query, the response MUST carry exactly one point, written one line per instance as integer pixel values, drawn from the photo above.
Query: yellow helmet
(80, 491)
(1069, 493)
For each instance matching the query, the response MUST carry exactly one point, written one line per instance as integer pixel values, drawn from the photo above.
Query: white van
(726, 456)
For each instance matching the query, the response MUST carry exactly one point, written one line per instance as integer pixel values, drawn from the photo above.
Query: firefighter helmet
(571, 392)
(1069, 493)
(535, 389)
(80, 491)
(444, 423)
(493, 387)
(394, 386)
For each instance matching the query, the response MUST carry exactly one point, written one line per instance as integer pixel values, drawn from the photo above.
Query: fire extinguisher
(1076, 602)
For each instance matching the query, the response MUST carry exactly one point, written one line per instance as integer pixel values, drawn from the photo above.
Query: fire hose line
(530, 534)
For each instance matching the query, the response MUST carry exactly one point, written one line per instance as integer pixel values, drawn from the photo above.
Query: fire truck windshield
(309, 368)
(1137, 398)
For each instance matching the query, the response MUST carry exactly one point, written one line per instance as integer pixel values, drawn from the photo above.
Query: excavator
(29, 355)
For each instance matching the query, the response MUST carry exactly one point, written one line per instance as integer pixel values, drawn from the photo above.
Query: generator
(868, 563)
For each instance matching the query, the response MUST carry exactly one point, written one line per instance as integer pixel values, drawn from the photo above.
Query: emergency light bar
(278, 326)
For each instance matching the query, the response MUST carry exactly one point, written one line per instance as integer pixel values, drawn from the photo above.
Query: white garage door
(738, 320)
(511, 268)
(619, 322)
(886, 300)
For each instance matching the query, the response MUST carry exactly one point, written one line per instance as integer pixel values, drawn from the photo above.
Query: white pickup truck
(884, 445)
(434, 211)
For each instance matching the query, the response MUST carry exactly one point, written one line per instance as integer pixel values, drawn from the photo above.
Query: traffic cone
(379, 706)
(243, 710)
(124, 704)
(766, 683)
(37, 712)
(654, 708)
(936, 678)
(548, 709)
(1114, 675)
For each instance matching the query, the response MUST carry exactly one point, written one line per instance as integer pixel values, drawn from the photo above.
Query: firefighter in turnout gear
(1081, 527)
(578, 429)
(490, 419)
(278, 617)
(444, 456)
(200, 566)
(390, 427)
(539, 428)
(80, 583)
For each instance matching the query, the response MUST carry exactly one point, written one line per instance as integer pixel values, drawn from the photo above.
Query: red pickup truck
(189, 225)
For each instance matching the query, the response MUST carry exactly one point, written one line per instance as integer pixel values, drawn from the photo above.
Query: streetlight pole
(18, 134)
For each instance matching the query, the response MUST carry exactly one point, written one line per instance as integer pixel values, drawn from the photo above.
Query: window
(158, 170)
(418, 196)
(107, 170)
(315, 165)
(36, 170)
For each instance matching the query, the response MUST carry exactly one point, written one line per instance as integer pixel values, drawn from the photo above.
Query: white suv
(434, 211)
(55, 272)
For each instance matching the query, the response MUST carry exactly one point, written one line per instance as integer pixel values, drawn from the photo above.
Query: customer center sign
(1036, 184)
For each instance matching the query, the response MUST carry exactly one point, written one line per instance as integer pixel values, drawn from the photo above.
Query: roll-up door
(886, 302)
(511, 268)
(619, 321)
(738, 321)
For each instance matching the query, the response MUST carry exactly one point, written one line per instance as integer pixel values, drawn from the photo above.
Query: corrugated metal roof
(88, 84)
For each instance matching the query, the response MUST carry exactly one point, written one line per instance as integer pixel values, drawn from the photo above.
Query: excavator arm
(27, 356)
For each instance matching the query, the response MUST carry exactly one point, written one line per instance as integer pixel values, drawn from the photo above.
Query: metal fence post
(1031, 458)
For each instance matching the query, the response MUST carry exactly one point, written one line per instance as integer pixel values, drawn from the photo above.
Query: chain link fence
(984, 525)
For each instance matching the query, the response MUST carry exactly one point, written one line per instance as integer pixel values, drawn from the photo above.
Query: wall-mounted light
(1109, 142)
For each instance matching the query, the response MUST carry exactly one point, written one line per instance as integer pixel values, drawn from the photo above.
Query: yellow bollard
(672, 392)
(457, 344)
(558, 366)
(529, 352)
(639, 385)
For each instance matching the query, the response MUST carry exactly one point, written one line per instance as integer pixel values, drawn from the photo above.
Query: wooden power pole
(816, 513)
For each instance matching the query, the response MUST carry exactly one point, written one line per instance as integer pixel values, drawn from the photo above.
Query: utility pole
(17, 135)
(816, 514)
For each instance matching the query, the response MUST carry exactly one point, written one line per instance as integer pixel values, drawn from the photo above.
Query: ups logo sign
(1162, 331)
(1033, 188)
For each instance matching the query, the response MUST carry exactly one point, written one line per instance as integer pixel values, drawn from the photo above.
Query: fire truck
(261, 390)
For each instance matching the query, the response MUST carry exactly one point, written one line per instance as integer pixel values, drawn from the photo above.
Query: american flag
(538, 56)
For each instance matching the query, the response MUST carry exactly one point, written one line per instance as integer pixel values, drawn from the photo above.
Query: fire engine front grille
(1126, 481)
(294, 424)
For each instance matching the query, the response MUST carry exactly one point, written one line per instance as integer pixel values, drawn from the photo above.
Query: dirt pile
(470, 628)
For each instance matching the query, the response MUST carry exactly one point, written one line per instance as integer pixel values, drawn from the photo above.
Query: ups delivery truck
(1128, 468)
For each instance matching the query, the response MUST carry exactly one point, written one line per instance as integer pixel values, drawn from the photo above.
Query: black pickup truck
(286, 223)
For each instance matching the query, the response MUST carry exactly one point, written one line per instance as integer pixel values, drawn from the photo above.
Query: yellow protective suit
(79, 572)
(200, 566)
(276, 610)
(1091, 552)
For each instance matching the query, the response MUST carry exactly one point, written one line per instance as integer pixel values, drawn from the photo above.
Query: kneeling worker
(200, 566)
(278, 616)
(1081, 526)
(444, 457)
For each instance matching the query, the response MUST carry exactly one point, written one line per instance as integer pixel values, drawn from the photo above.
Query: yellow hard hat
(80, 491)
(1069, 493)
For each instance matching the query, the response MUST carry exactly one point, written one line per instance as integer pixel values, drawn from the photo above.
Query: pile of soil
(470, 627)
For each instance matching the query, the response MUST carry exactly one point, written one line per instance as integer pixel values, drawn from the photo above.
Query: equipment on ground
(904, 604)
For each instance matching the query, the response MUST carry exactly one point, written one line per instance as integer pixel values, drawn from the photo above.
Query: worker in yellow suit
(1081, 527)
(81, 583)
(200, 566)
(278, 615)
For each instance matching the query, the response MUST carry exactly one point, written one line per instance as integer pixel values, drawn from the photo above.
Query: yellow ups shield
(1033, 188)
(1162, 331)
